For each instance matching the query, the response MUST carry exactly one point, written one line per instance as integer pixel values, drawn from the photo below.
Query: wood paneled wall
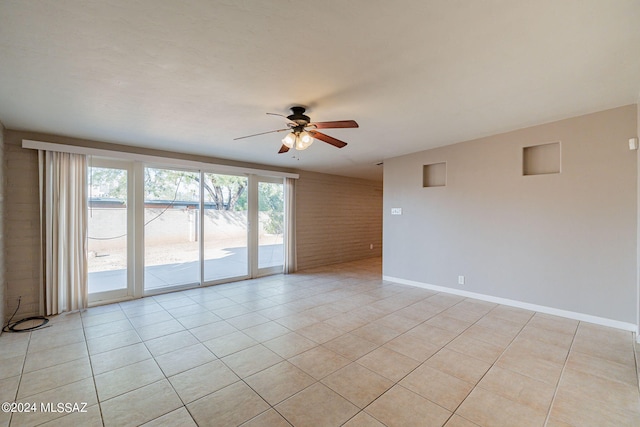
(337, 219)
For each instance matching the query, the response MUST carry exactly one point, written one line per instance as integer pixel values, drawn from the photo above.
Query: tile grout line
(564, 367)
(319, 381)
(451, 340)
(93, 376)
(217, 358)
(184, 405)
(24, 362)
(88, 356)
(152, 358)
(240, 379)
(494, 362)
(634, 343)
(270, 406)
(22, 373)
(256, 310)
(397, 383)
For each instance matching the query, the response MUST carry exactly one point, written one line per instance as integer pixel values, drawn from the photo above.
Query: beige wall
(337, 219)
(637, 135)
(21, 225)
(565, 241)
(3, 283)
(341, 215)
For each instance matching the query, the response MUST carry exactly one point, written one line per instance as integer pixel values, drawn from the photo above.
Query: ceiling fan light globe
(289, 140)
(304, 141)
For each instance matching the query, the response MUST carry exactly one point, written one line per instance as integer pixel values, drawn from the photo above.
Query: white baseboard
(519, 304)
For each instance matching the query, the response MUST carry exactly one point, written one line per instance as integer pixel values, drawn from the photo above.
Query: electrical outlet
(460, 280)
(396, 211)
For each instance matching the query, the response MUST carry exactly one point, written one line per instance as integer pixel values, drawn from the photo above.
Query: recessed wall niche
(541, 159)
(434, 175)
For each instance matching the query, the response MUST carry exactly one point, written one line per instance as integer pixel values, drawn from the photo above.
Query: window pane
(271, 224)
(107, 229)
(225, 226)
(171, 216)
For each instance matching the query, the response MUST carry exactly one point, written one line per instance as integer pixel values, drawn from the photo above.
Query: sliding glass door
(270, 226)
(109, 217)
(156, 228)
(225, 227)
(171, 228)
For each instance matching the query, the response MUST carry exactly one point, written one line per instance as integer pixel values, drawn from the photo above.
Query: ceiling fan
(302, 131)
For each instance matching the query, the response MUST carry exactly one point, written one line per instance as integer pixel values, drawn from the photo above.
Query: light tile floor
(327, 347)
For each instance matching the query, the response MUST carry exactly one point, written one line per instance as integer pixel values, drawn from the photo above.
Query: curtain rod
(63, 148)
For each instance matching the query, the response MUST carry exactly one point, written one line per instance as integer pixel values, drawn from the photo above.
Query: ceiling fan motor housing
(298, 116)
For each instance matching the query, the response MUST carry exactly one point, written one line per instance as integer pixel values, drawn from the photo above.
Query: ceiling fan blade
(289, 122)
(283, 149)
(262, 133)
(335, 125)
(328, 139)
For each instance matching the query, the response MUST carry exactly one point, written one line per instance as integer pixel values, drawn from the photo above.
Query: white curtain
(290, 224)
(63, 227)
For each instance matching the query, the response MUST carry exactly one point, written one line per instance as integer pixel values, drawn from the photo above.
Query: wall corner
(3, 284)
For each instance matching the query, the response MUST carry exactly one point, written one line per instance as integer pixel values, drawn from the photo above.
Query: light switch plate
(396, 211)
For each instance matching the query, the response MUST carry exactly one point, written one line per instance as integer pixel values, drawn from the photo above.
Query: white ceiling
(190, 76)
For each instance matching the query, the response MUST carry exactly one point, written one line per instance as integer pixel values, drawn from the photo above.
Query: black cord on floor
(11, 327)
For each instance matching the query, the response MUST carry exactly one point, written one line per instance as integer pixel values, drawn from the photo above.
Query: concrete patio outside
(232, 264)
